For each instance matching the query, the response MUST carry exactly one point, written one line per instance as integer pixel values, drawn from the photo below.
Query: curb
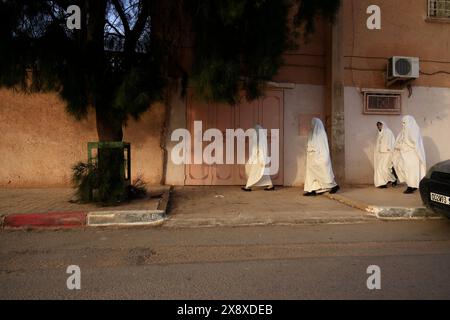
(349, 202)
(131, 217)
(164, 202)
(214, 222)
(403, 213)
(91, 218)
(125, 218)
(387, 213)
(230, 224)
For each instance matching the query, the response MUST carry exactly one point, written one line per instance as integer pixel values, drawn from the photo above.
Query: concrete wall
(405, 31)
(429, 106)
(306, 64)
(39, 141)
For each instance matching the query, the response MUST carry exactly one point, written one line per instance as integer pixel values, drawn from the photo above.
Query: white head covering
(412, 136)
(383, 123)
(318, 139)
(383, 129)
(386, 139)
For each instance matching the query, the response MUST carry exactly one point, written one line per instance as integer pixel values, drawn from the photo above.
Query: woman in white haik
(319, 173)
(256, 164)
(409, 155)
(383, 166)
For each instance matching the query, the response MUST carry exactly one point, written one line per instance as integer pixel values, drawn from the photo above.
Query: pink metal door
(267, 111)
(271, 113)
(197, 174)
(223, 174)
(246, 118)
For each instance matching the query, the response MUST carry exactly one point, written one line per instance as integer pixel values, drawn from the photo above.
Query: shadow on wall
(148, 126)
(360, 149)
(432, 152)
(298, 171)
(145, 138)
(429, 106)
(368, 159)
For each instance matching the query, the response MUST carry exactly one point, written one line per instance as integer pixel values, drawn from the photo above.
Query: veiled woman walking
(319, 172)
(255, 168)
(409, 155)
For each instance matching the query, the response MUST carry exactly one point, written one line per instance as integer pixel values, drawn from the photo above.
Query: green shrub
(85, 180)
(104, 183)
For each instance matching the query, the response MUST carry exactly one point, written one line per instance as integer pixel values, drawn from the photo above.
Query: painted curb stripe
(53, 219)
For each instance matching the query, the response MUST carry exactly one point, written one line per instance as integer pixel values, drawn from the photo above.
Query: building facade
(338, 74)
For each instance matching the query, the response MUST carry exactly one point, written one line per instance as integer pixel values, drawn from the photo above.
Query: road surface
(288, 262)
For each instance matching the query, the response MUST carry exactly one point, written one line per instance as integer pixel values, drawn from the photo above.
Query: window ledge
(377, 90)
(437, 20)
(282, 85)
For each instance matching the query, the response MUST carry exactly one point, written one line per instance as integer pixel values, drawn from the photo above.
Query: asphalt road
(298, 262)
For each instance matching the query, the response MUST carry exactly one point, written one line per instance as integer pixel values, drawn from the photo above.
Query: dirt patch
(140, 256)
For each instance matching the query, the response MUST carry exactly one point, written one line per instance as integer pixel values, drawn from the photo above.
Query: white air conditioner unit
(402, 68)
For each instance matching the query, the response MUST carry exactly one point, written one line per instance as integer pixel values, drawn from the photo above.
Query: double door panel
(267, 111)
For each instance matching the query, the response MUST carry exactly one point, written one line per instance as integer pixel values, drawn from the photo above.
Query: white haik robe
(256, 164)
(409, 155)
(383, 157)
(319, 173)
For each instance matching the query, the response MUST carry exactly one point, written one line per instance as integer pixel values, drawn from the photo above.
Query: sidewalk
(211, 207)
(54, 208)
(230, 206)
(388, 203)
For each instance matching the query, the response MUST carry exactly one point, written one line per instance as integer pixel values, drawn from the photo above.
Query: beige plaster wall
(39, 141)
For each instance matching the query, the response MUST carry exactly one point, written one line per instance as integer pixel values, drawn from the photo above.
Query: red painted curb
(53, 219)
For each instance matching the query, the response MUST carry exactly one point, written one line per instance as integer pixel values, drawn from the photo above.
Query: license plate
(439, 198)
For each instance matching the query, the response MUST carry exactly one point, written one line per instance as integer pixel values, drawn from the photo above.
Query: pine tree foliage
(120, 61)
(85, 72)
(309, 10)
(239, 45)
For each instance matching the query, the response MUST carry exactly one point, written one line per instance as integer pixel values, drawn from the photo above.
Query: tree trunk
(108, 128)
(110, 165)
(111, 187)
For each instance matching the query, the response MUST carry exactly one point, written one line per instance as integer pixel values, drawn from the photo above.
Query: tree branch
(142, 19)
(135, 33)
(122, 15)
(119, 33)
